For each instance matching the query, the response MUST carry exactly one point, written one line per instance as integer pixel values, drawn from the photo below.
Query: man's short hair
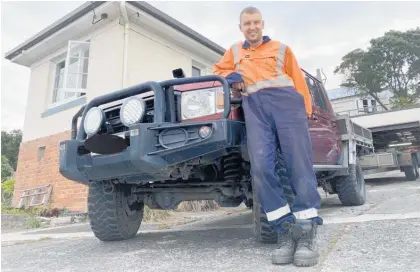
(249, 10)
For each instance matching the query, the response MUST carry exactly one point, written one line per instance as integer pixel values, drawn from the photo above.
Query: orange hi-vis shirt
(271, 64)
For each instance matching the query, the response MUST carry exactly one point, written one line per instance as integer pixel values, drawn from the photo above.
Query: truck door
(322, 126)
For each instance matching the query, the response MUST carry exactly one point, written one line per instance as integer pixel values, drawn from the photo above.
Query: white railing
(364, 110)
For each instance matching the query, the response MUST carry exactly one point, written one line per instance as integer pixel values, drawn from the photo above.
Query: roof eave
(161, 16)
(88, 6)
(61, 23)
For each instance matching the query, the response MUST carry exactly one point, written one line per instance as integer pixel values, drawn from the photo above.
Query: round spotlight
(204, 132)
(132, 111)
(93, 121)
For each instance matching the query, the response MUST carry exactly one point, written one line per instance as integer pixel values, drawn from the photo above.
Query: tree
(392, 63)
(10, 143)
(360, 74)
(6, 169)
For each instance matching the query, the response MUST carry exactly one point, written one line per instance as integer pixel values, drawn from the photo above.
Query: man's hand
(237, 88)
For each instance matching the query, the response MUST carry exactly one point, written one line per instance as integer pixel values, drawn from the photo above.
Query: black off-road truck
(160, 143)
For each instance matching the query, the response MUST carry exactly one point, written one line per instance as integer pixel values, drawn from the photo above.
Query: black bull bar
(161, 99)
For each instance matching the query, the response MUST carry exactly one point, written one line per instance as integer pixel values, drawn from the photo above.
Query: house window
(196, 72)
(365, 105)
(369, 105)
(374, 109)
(70, 78)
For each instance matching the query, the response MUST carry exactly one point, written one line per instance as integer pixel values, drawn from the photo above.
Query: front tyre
(113, 215)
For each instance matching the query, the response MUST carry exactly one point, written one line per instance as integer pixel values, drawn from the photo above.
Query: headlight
(93, 121)
(132, 111)
(201, 102)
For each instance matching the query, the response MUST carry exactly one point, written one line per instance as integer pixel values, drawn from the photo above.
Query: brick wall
(38, 167)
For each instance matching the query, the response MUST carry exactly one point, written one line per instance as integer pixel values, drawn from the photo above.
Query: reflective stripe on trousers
(278, 115)
(282, 80)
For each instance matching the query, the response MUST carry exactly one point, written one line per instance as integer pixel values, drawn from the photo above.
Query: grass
(151, 215)
(7, 210)
(154, 215)
(197, 206)
(33, 223)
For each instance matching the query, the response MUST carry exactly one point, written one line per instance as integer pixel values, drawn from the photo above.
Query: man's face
(251, 26)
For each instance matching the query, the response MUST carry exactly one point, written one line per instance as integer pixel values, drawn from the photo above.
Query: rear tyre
(351, 189)
(263, 231)
(409, 172)
(112, 215)
(412, 172)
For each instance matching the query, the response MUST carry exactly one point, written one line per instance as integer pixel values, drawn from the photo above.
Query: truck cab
(325, 135)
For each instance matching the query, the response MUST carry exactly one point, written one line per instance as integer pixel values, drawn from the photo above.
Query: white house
(98, 48)
(346, 101)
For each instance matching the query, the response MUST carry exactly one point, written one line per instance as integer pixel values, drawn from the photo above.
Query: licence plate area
(121, 135)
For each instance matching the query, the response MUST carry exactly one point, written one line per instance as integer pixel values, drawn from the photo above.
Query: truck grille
(112, 115)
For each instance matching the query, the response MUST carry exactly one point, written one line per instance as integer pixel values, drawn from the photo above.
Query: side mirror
(178, 73)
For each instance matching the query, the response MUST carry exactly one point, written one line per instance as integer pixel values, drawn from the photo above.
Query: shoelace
(307, 239)
(285, 239)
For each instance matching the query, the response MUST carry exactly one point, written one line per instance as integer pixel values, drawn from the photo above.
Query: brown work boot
(304, 233)
(285, 250)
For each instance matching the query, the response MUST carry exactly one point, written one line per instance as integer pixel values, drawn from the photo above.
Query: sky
(319, 33)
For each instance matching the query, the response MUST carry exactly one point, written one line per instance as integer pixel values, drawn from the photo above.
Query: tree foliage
(392, 63)
(6, 169)
(7, 188)
(10, 143)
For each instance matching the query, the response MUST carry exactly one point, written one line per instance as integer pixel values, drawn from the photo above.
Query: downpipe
(123, 10)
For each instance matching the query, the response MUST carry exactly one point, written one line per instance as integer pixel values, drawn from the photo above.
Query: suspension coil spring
(232, 167)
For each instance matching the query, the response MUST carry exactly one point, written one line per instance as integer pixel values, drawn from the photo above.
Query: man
(276, 103)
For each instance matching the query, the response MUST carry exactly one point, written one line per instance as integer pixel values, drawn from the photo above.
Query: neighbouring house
(98, 48)
(346, 101)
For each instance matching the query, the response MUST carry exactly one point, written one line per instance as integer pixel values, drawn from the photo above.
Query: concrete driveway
(382, 235)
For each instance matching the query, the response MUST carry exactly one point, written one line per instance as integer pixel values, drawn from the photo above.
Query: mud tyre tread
(412, 172)
(281, 170)
(409, 173)
(108, 215)
(263, 231)
(351, 189)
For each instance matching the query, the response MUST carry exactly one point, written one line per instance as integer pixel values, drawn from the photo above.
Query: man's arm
(294, 71)
(226, 68)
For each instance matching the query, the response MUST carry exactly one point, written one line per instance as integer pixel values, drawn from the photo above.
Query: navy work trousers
(277, 116)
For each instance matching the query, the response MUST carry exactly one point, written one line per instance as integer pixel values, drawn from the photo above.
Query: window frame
(194, 67)
(317, 93)
(79, 92)
(374, 105)
(56, 76)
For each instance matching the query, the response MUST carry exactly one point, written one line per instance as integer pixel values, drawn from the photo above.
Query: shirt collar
(246, 44)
